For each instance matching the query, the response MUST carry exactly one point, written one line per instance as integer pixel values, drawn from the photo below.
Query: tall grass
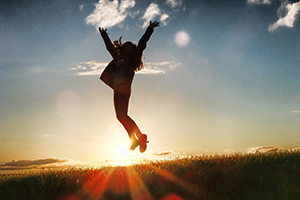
(250, 176)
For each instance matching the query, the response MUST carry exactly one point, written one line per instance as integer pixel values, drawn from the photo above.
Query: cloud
(152, 11)
(92, 67)
(228, 151)
(109, 13)
(295, 111)
(49, 163)
(81, 7)
(259, 1)
(159, 67)
(164, 19)
(163, 153)
(266, 149)
(96, 67)
(269, 149)
(290, 13)
(34, 164)
(174, 3)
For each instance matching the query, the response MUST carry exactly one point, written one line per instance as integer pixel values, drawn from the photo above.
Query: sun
(125, 157)
(122, 151)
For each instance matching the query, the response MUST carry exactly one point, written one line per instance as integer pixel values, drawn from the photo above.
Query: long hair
(130, 54)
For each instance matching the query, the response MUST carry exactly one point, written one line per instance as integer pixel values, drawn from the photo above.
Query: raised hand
(102, 30)
(154, 24)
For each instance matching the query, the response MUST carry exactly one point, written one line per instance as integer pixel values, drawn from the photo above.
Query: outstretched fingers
(102, 30)
(154, 24)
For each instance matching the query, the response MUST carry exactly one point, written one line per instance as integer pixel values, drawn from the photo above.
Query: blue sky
(220, 76)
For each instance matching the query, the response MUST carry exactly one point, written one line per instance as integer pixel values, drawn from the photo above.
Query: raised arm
(144, 39)
(109, 45)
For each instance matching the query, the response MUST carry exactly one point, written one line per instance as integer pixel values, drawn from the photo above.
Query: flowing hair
(132, 54)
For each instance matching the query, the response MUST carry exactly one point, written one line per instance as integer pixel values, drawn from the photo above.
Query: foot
(134, 144)
(143, 143)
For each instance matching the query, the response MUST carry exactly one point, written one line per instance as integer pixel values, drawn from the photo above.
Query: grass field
(268, 176)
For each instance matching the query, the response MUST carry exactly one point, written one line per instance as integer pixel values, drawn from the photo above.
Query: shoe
(143, 143)
(134, 144)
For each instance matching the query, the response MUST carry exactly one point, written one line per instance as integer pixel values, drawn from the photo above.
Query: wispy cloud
(264, 149)
(295, 111)
(48, 163)
(229, 151)
(259, 1)
(288, 15)
(159, 67)
(152, 11)
(269, 149)
(110, 13)
(34, 164)
(164, 153)
(174, 3)
(92, 67)
(96, 67)
(81, 7)
(260, 149)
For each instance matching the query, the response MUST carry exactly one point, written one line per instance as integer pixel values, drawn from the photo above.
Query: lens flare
(182, 39)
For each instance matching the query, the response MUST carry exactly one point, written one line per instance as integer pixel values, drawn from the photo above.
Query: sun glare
(122, 151)
(126, 157)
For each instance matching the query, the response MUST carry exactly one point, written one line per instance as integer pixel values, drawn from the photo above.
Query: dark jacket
(128, 68)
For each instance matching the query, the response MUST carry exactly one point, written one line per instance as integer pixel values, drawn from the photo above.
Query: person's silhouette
(127, 58)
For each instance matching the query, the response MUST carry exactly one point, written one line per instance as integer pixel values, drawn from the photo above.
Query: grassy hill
(268, 176)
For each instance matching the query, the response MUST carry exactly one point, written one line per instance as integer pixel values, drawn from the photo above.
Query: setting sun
(126, 157)
(122, 151)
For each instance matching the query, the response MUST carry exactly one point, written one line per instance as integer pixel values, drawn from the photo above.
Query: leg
(121, 103)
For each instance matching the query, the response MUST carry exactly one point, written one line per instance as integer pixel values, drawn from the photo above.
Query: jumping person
(127, 58)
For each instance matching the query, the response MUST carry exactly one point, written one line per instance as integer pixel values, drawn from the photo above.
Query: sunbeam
(114, 183)
(186, 186)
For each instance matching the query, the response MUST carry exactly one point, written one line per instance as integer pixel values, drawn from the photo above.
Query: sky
(219, 77)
